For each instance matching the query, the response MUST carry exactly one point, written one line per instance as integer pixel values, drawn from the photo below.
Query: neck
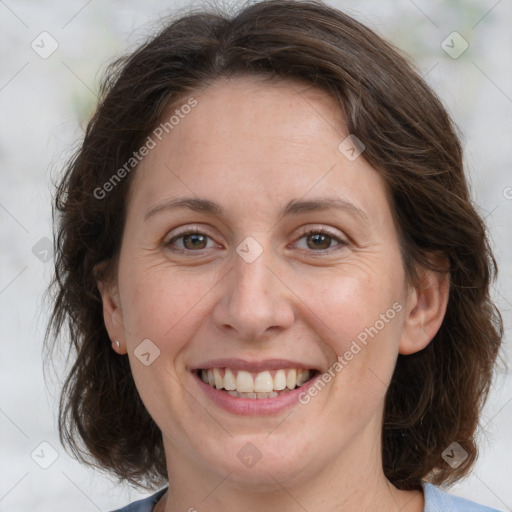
(353, 482)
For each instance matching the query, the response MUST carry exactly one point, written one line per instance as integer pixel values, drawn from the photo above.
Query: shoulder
(144, 505)
(437, 500)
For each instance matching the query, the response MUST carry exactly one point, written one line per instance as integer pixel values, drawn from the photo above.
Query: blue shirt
(436, 500)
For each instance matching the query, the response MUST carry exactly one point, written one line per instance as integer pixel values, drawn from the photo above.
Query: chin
(257, 463)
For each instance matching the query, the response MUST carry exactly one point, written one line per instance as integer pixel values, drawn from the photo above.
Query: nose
(254, 302)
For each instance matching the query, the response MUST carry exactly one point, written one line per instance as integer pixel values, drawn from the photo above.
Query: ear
(113, 313)
(425, 309)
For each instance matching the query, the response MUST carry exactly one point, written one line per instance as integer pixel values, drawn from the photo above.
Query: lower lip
(253, 406)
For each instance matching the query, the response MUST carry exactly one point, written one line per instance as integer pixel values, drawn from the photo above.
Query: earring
(116, 345)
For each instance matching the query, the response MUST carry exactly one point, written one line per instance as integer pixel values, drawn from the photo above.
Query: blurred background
(53, 54)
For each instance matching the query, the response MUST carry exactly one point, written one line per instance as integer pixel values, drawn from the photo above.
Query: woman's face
(294, 272)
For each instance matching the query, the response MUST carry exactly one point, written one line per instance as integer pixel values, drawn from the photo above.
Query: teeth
(262, 385)
(244, 382)
(280, 380)
(218, 378)
(229, 380)
(272, 394)
(302, 376)
(211, 378)
(291, 379)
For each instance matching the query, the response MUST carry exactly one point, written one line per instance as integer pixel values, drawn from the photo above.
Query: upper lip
(253, 366)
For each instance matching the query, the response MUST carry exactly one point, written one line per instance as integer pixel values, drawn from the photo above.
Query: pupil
(195, 239)
(324, 241)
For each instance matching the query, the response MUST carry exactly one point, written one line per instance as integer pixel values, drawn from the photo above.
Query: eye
(194, 240)
(188, 241)
(320, 240)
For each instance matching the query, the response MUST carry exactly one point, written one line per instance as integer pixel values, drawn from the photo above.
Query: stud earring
(116, 345)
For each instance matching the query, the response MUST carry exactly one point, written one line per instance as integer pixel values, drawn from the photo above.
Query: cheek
(162, 304)
(358, 316)
(348, 302)
(364, 350)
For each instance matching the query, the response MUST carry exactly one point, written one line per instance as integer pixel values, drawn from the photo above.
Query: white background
(44, 104)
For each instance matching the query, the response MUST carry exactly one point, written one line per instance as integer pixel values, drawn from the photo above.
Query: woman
(274, 278)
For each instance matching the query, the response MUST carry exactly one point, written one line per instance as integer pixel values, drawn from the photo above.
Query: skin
(252, 146)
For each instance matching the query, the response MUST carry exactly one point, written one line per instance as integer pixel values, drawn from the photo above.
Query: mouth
(266, 384)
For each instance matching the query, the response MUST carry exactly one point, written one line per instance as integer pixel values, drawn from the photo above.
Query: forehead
(256, 140)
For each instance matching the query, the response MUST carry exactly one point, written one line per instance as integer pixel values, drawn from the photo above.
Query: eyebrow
(294, 207)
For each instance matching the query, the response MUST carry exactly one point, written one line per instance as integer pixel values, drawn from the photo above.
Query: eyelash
(305, 232)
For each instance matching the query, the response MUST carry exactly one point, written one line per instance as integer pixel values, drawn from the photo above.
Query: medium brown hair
(435, 396)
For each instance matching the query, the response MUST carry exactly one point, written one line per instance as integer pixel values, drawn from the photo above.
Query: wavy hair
(436, 395)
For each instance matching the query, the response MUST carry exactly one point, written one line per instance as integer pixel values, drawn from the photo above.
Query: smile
(247, 387)
(255, 385)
